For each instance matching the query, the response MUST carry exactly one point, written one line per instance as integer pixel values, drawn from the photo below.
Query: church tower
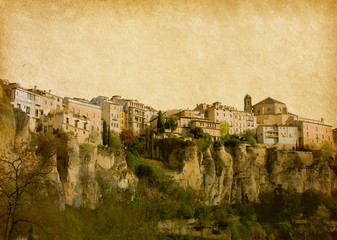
(248, 104)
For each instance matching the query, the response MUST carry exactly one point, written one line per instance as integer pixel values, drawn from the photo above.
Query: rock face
(230, 174)
(78, 178)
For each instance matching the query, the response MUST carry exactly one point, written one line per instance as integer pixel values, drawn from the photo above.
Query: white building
(283, 136)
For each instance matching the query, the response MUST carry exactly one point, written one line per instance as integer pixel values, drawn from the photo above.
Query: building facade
(238, 121)
(111, 112)
(313, 133)
(270, 111)
(34, 102)
(187, 120)
(79, 117)
(282, 136)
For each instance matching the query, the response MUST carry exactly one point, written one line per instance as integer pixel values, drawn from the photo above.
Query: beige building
(282, 136)
(239, 121)
(112, 112)
(187, 120)
(334, 135)
(313, 133)
(270, 111)
(34, 102)
(79, 117)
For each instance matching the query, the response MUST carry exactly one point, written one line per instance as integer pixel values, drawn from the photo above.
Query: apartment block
(112, 112)
(239, 121)
(34, 102)
(282, 136)
(334, 135)
(80, 117)
(187, 120)
(313, 133)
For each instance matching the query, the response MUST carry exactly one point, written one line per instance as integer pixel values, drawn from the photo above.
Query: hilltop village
(269, 119)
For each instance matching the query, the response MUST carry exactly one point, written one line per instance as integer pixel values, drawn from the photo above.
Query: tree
(224, 128)
(197, 132)
(171, 124)
(128, 138)
(23, 172)
(114, 140)
(327, 150)
(105, 133)
(160, 123)
(249, 136)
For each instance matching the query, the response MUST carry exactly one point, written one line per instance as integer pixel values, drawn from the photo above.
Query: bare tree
(22, 173)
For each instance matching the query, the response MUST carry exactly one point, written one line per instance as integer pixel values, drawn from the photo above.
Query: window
(326, 130)
(279, 109)
(36, 113)
(307, 134)
(19, 106)
(224, 115)
(323, 136)
(306, 127)
(236, 116)
(239, 117)
(243, 118)
(268, 109)
(236, 124)
(316, 135)
(58, 107)
(67, 120)
(51, 103)
(28, 110)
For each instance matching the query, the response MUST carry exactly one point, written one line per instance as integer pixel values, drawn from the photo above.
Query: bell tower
(248, 104)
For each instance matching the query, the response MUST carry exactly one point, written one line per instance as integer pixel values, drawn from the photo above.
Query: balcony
(272, 134)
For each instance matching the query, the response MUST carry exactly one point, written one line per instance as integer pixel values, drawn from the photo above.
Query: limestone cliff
(229, 174)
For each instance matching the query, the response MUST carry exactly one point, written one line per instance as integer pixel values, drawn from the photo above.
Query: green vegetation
(204, 140)
(224, 128)
(160, 124)
(171, 124)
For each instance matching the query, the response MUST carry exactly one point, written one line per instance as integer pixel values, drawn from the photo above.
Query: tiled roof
(268, 100)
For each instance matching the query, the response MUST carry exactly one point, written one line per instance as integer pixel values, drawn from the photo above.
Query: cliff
(230, 174)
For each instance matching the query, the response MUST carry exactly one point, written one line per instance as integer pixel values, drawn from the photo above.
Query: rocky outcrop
(244, 172)
(84, 165)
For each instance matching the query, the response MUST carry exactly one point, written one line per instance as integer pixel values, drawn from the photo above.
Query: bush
(217, 144)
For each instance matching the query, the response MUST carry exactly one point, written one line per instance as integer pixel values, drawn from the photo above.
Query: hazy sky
(175, 54)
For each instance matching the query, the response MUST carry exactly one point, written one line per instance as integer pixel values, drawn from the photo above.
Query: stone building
(112, 112)
(79, 117)
(282, 136)
(187, 120)
(334, 135)
(239, 121)
(270, 111)
(312, 133)
(34, 102)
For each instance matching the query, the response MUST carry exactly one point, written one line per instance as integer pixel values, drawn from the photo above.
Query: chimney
(322, 120)
(35, 87)
(49, 91)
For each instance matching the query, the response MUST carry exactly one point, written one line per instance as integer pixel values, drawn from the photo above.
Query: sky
(175, 54)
